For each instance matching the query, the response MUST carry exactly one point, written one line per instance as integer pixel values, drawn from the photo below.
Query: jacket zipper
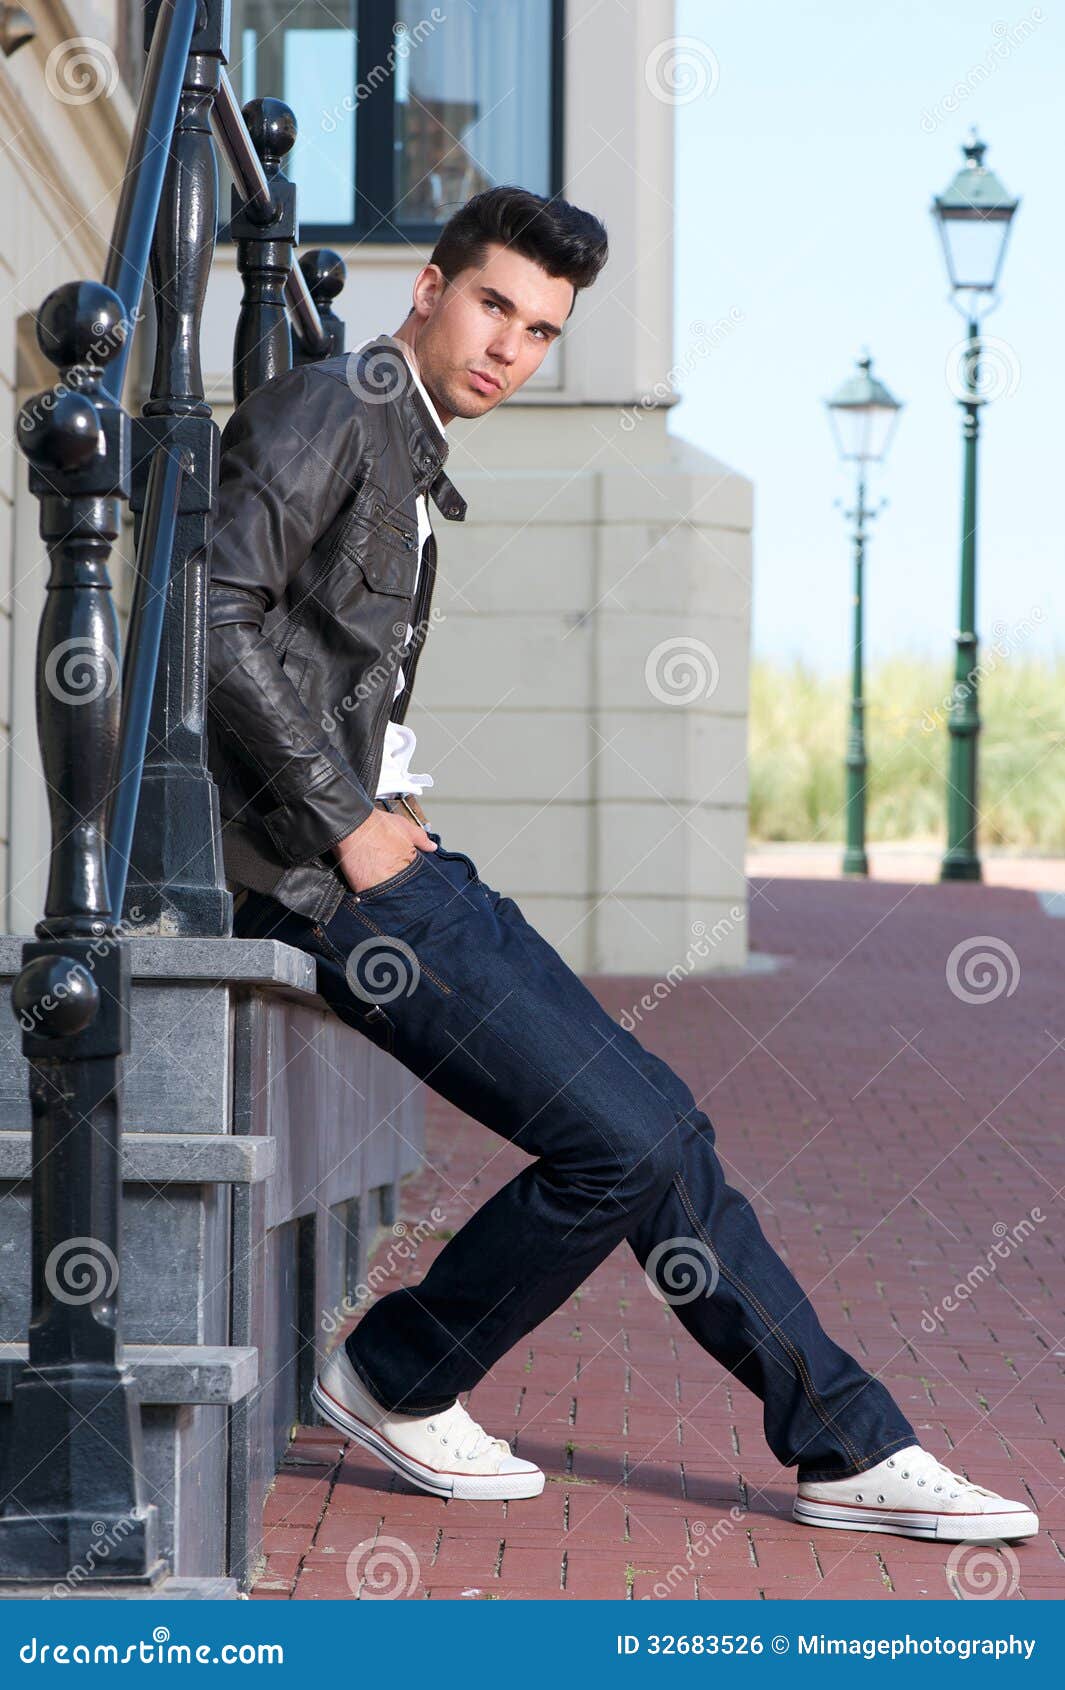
(422, 600)
(396, 710)
(404, 533)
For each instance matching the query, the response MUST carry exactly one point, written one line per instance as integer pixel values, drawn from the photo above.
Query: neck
(408, 334)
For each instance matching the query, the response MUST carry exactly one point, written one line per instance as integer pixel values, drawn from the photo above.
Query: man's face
(482, 337)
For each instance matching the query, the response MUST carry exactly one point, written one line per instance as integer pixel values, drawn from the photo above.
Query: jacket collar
(428, 448)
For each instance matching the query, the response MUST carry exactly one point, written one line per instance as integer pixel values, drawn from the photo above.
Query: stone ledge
(166, 1158)
(247, 962)
(174, 1589)
(167, 1373)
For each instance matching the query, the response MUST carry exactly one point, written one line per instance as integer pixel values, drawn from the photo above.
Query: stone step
(161, 1158)
(158, 1158)
(188, 1393)
(115, 1590)
(166, 1373)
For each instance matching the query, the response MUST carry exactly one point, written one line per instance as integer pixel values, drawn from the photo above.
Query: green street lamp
(973, 217)
(863, 414)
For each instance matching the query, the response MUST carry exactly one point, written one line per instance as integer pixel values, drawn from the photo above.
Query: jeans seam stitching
(422, 967)
(807, 1382)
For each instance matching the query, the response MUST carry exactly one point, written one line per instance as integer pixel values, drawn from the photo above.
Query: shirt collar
(427, 441)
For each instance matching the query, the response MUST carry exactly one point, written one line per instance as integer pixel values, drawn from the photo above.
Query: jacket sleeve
(288, 455)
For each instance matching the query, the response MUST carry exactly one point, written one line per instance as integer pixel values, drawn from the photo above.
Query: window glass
(305, 54)
(472, 104)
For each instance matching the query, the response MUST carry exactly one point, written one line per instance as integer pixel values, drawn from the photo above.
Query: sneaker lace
(924, 1462)
(465, 1438)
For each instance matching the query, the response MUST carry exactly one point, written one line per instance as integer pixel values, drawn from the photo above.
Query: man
(321, 580)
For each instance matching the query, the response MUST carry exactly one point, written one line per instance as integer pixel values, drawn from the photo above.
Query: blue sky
(802, 189)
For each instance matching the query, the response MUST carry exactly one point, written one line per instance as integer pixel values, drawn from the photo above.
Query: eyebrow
(508, 305)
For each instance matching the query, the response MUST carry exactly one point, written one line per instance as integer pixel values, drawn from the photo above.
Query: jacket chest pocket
(383, 541)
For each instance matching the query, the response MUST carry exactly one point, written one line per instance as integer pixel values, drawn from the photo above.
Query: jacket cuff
(304, 829)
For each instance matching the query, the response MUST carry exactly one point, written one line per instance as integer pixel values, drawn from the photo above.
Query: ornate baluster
(75, 1452)
(177, 877)
(263, 343)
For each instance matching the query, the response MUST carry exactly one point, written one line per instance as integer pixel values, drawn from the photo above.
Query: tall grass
(798, 736)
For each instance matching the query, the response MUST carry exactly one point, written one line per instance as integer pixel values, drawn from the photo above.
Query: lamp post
(973, 217)
(863, 414)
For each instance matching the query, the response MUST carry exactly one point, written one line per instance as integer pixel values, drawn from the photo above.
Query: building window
(402, 117)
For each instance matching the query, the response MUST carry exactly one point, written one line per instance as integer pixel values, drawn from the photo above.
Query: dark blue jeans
(436, 967)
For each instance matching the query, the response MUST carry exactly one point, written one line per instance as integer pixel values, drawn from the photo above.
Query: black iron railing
(134, 813)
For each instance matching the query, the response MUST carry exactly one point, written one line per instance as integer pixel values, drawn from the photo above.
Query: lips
(489, 380)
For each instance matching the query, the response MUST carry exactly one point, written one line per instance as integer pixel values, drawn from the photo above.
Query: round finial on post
(59, 431)
(55, 996)
(974, 150)
(325, 273)
(82, 323)
(273, 129)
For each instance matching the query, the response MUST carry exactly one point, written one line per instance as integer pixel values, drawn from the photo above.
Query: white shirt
(399, 743)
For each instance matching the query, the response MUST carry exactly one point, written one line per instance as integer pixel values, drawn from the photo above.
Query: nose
(506, 344)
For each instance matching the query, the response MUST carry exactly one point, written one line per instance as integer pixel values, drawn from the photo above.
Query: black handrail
(142, 184)
(144, 638)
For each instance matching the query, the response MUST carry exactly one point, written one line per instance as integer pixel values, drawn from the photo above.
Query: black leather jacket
(312, 565)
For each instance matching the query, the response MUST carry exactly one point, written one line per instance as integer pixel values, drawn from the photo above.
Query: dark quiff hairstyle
(560, 237)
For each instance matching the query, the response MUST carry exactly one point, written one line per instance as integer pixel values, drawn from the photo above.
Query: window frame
(374, 134)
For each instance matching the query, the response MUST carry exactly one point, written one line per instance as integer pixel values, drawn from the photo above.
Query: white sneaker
(913, 1495)
(447, 1454)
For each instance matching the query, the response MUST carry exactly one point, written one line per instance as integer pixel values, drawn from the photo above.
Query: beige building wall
(582, 703)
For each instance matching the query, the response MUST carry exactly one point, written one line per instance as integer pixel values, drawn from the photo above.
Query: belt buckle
(404, 800)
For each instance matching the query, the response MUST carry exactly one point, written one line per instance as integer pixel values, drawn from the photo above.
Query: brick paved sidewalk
(905, 1149)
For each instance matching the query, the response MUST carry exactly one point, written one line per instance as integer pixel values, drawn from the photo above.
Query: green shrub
(798, 736)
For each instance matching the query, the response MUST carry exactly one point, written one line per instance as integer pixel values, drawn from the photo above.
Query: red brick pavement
(898, 1141)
